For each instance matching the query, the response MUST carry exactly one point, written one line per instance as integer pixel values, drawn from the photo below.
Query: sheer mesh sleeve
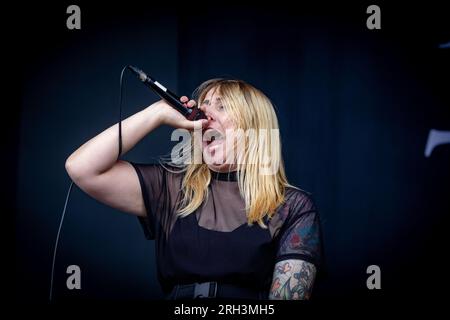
(151, 179)
(300, 237)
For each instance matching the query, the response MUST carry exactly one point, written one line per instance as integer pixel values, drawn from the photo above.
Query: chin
(215, 160)
(221, 168)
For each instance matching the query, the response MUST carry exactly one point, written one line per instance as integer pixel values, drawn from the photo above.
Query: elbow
(82, 173)
(70, 168)
(75, 170)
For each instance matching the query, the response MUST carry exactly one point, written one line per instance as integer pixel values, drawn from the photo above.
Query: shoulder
(299, 200)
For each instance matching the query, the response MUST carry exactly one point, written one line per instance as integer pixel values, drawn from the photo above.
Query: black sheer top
(214, 243)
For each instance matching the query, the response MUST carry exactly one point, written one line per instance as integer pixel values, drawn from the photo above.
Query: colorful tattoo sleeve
(293, 279)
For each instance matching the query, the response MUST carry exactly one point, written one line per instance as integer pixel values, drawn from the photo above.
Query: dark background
(355, 107)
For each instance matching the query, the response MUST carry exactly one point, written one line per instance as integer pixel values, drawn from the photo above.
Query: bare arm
(292, 280)
(94, 166)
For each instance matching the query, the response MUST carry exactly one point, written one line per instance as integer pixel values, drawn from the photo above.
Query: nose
(207, 110)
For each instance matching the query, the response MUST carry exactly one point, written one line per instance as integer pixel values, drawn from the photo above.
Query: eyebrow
(207, 100)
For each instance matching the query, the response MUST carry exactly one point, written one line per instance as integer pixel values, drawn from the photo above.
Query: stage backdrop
(355, 108)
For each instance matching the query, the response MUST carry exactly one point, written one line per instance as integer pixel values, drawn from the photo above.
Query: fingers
(191, 103)
(188, 103)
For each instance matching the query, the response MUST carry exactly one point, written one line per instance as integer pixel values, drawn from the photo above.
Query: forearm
(100, 153)
(292, 280)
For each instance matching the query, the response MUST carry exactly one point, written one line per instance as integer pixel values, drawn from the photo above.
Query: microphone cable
(50, 297)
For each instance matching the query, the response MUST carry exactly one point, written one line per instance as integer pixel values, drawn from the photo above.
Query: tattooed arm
(292, 280)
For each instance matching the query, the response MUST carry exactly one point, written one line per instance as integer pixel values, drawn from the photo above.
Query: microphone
(171, 98)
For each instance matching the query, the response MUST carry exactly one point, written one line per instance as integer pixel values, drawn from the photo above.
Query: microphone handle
(171, 98)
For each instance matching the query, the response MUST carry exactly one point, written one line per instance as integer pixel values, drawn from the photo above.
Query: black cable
(57, 241)
(120, 111)
(50, 297)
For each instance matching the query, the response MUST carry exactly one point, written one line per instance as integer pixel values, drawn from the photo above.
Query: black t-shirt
(214, 243)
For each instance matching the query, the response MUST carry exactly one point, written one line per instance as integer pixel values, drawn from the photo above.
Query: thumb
(195, 125)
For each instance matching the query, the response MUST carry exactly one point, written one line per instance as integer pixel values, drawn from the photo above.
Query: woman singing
(226, 222)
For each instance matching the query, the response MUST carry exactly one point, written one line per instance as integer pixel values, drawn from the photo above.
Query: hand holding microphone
(169, 116)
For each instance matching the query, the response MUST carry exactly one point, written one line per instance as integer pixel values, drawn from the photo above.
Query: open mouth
(212, 137)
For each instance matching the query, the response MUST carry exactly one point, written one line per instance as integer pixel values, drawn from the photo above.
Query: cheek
(227, 125)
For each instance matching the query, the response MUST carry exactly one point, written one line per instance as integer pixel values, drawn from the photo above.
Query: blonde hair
(248, 108)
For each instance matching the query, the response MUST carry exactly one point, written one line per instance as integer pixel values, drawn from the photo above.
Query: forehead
(213, 94)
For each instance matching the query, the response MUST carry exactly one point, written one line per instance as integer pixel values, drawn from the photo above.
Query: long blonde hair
(248, 108)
